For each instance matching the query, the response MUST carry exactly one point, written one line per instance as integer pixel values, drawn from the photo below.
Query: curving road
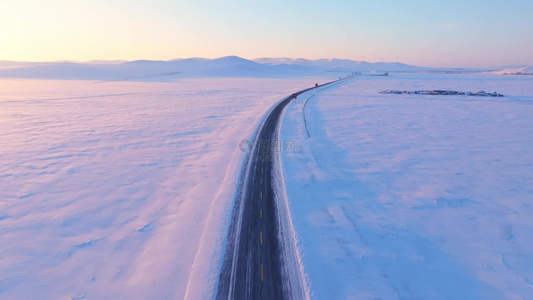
(254, 258)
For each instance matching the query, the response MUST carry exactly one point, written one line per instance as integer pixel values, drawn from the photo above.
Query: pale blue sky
(468, 33)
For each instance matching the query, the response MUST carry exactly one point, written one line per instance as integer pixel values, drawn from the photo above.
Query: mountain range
(229, 66)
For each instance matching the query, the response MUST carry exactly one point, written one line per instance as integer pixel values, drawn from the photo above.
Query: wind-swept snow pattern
(121, 190)
(414, 196)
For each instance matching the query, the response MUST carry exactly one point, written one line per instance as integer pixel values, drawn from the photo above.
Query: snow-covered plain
(411, 196)
(121, 190)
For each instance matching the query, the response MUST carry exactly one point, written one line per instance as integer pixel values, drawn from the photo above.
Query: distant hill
(229, 66)
(343, 64)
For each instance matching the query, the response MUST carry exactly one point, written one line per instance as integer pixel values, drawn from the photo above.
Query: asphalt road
(253, 259)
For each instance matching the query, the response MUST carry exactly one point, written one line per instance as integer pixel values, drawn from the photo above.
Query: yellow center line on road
(261, 180)
(261, 237)
(261, 195)
(260, 213)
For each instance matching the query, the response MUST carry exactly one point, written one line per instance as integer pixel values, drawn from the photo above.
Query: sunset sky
(447, 33)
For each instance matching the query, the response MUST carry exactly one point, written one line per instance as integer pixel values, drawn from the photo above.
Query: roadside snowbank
(404, 196)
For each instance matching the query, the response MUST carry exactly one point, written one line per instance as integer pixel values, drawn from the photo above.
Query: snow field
(410, 196)
(121, 190)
